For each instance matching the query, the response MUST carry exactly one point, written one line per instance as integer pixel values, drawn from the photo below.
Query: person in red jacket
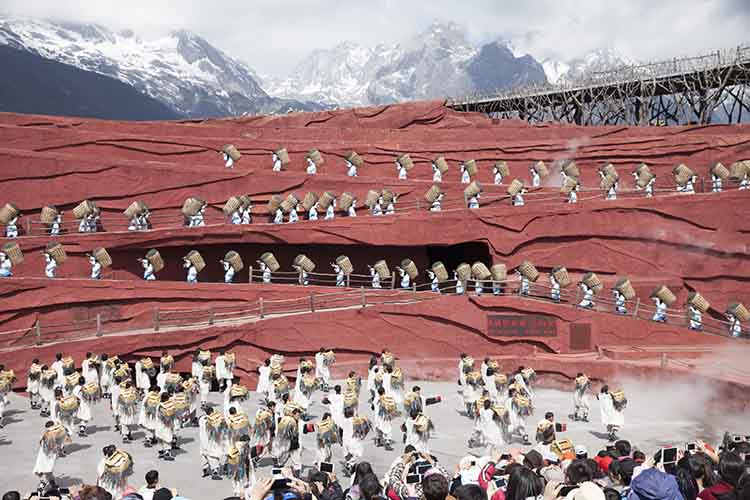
(731, 468)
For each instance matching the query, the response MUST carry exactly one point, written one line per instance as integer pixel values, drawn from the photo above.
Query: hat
(581, 450)
(553, 474)
(534, 459)
(163, 494)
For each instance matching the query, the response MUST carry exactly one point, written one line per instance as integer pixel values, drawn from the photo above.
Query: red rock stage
(689, 243)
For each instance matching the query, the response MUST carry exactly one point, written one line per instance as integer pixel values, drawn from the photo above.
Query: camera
(691, 447)
(501, 483)
(413, 478)
(326, 467)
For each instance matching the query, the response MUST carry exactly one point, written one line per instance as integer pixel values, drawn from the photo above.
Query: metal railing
(160, 319)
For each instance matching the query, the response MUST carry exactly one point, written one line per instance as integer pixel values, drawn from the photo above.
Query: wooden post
(663, 360)
(260, 302)
(363, 297)
(417, 204)
(38, 328)
(98, 324)
(348, 280)
(156, 319)
(250, 274)
(210, 315)
(393, 281)
(637, 305)
(414, 287)
(28, 226)
(312, 302)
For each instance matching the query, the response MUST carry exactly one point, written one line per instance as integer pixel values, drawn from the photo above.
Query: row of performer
(238, 209)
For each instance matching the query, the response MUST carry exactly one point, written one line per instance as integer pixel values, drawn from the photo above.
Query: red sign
(530, 325)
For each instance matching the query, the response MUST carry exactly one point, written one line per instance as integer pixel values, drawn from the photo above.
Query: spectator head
(596, 471)
(58, 356)
(435, 487)
(581, 452)
(623, 448)
(89, 492)
(152, 478)
(605, 389)
(743, 487)
(611, 494)
(639, 456)
(361, 470)
(12, 495)
(487, 404)
(163, 494)
(381, 391)
(549, 416)
(700, 468)
(369, 487)
(469, 492)
(578, 472)
(208, 411)
(621, 473)
(409, 449)
(416, 388)
(165, 397)
(731, 467)
(522, 484)
(373, 361)
(533, 460)
(36, 362)
(267, 362)
(337, 389)
(686, 482)
(108, 450)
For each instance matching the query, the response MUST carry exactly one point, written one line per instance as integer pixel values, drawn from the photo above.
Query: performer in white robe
(340, 276)
(460, 286)
(536, 179)
(660, 314)
(383, 426)
(264, 379)
(474, 201)
(212, 447)
(351, 169)
(115, 483)
(228, 161)
(696, 318)
(573, 194)
(90, 369)
(554, 291)
(47, 384)
(735, 325)
(436, 205)
(322, 370)
(434, 282)
(33, 383)
(612, 418)
(228, 271)
(392, 386)
(401, 172)
(518, 200)
(142, 376)
(224, 371)
(293, 215)
(54, 229)
(465, 177)
(312, 214)
(420, 440)
(493, 430)
(96, 268)
(165, 427)
(312, 168)
(715, 183)
(497, 177)
(352, 211)
(688, 187)
(517, 419)
(6, 266)
(331, 211)
(372, 372)
(336, 406)
(375, 277)
(619, 302)
(49, 449)
(352, 441)
(127, 414)
(404, 278)
(525, 284)
(192, 271)
(588, 296)
(205, 381)
(276, 163)
(247, 214)
(148, 270)
(582, 407)
(50, 268)
(84, 408)
(148, 416)
(437, 176)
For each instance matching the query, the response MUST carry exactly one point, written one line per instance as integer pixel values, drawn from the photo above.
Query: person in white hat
(582, 453)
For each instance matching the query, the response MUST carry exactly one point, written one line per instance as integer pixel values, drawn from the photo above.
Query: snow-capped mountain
(559, 72)
(438, 62)
(181, 70)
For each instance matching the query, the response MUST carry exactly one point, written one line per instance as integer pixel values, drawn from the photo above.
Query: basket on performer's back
(154, 258)
(326, 199)
(405, 161)
(135, 209)
(192, 206)
(432, 194)
(388, 196)
(102, 257)
(739, 169)
(49, 214)
(502, 168)
(316, 157)
(463, 271)
(353, 158)
(499, 272)
(84, 209)
(592, 281)
(720, 171)
(119, 463)
(561, 276)
(697, 300)
(309, 200)
(609, 169)
(739, 311)
(472, 189)
(471, 167)
(569, 185)
(303, 262)
(234, 260)
(624, 286)
(528, 271)
(682, 174)
(232, 205)
(665, 295)
(345, 201)
(231, 151)
(441, 164)
(571, 169)
(479, 271)
(514, 187)
(14, 253)
(274, 202)
(8, 212)
(410, 268)
(289, 203)
(57, 252)
(270, 260)
(619, 399)
(283, 155)
(196, 259)
(372, 198)
(381, 267)
(440, 271)
(608, 182)
(541, 168)
(345, 264)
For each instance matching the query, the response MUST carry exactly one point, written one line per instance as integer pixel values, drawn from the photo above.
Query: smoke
(555, 177)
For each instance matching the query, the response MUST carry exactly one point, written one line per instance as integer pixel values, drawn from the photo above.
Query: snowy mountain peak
(598, 60)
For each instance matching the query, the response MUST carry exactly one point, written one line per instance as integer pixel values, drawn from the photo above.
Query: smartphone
(736, 438)
(565, 490)
(64, 491)
(280, 484)
(501, 483)
(326, 467)
(669, 455)
(413, 478)
(422, 469)
(691, 447)
(276, 471)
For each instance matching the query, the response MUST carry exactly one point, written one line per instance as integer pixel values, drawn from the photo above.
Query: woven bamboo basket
(441, 164)
(234, 260)
(381, 267)
(499, 272)
(154, 258)
(571, 169)
(471, 167)
(405, 161)
(316, 157)
(14, 253)
(720, 171)
(569, 185)
(345, 264)
(738, 170)
(283, 155)
(309, 200)
(697, 300)
(245, 200)
(135, 209)
(168, 409)
(541, 169)
(463, 271)
(345, 201)
(353, 158)
(441, 273)
(480, 271)
(410, 267)
(372, 198)
(739, 311)
(57, 252)
(644, 178)
(351, 399)
(618, 396)
(232, 205)
(238, 422)
(609, 169)
(102, 257)
(196, 259)
(608, 182)
(592, 281)
(514, 187)
(624, 286)
(83, 209)
(432, 193)
(472, 189)
(192, 206)
(502, 167)
(528, 270)
(304, 262)
(118, 463)
(388, 196)
(269, 260)
(326, 199)
(91, 390)
(582, 381)
(561, 276)
(642, 167)
(665, 295)
(274, 203)
(682, 174)
(69, 404)
(561, 447)
(289, 203)
(48, 215)
(231, 151)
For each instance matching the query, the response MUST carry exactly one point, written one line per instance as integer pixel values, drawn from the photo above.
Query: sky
(272, 36)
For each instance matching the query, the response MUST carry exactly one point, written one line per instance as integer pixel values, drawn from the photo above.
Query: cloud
(273, 35)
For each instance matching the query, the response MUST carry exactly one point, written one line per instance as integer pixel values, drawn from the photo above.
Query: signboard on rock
(520, 326)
